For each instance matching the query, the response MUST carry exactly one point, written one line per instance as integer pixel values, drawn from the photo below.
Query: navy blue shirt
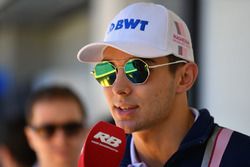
(192, 148)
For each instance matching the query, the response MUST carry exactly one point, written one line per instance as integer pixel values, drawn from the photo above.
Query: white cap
(145, 30)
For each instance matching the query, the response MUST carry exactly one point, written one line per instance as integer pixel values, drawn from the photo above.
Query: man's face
(140, 107)
(59, 148)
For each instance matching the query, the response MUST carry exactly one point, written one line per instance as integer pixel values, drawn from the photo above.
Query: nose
(59, 138)
(122, 85)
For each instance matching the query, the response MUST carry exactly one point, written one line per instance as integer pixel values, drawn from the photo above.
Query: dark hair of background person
(13, 138)
(52, 93)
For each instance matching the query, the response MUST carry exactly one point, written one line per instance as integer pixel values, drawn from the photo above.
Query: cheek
(152, 97)
(39, 145)
(159, 94)
(76, 145)
(108, 95)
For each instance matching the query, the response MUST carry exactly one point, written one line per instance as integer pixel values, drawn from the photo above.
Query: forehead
(55, 111)
(120, 57)
(114, 54)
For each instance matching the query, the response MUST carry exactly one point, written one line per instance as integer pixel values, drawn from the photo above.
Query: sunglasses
(136, 70)
(48, 130)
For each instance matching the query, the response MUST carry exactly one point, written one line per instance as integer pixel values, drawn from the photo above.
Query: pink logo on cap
(181, 39)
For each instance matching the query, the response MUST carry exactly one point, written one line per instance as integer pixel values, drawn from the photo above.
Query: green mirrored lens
(105, 73)
(136, 71)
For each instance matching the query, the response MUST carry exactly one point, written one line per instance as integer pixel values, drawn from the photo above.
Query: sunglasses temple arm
(167, 64)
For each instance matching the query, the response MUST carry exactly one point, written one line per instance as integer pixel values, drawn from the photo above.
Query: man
(56, 127)
(146, 67)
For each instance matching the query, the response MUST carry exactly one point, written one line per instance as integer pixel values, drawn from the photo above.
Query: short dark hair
(52, 93)
(173, 68)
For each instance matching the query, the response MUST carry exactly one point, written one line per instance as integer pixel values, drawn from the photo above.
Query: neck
(156, 145)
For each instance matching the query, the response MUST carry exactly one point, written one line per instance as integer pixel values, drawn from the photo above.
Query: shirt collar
(134, 160)
(195, 112)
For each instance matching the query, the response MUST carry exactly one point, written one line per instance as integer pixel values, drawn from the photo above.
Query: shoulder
(237, 151)
(239, 137)
(239, 142)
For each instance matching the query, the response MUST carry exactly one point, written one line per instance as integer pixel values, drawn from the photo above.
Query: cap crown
(145, 30)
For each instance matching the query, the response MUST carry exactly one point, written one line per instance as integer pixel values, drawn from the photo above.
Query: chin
(127, 126)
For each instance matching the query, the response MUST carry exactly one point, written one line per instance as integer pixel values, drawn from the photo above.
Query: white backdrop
(225, 62)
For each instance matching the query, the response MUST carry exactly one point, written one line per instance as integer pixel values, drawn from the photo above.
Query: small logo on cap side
(128, 24)
(181, 39)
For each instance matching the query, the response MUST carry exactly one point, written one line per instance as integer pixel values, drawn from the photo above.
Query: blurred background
(39, 41)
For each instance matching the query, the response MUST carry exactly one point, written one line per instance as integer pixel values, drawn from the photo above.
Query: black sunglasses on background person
(48, 130)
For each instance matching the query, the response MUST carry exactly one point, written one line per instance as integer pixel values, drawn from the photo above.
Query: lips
(125, 109)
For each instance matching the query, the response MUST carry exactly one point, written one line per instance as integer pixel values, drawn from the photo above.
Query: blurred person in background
(14, 149)
(56, 126)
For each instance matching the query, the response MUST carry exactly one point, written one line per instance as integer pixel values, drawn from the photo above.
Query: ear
(186, 77)
(28, 133)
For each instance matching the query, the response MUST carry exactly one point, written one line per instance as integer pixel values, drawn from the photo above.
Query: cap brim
(94, 52)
